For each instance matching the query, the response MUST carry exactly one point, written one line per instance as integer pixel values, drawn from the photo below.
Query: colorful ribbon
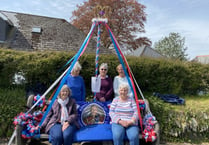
(122, 59)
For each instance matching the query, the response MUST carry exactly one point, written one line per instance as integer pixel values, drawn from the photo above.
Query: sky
(189, 18)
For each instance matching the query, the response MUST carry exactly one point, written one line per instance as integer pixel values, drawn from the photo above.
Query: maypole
(95, 22)
(97, 50)
(100, 13)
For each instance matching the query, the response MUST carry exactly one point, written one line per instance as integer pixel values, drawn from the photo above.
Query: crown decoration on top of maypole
(102, 11)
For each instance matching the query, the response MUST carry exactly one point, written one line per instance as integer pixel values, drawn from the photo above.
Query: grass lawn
(195, 104)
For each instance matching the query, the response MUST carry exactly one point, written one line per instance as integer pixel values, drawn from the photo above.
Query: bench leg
(157, 130)
(18, 138)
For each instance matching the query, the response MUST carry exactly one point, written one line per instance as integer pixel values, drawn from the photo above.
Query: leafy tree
(126, 19)
(172, 46)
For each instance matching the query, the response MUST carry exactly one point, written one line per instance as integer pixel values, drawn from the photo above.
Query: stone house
(31, 32)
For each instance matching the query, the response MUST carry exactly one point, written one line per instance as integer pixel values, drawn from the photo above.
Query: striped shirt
(123, 110)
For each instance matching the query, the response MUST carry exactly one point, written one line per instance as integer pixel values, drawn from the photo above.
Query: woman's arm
(50, 114)
(83, 92)
(73, 114)
(108, 95)
(113, 115)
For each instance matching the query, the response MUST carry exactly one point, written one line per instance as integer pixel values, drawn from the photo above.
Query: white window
(36, 30)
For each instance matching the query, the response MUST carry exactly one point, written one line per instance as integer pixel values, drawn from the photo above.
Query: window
(36, 30)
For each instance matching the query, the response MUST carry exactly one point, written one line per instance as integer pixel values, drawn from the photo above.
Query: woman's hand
(102, 99)
(131, 122)
(126, 123)
(65, 125)
(123, 123)
(37, 127)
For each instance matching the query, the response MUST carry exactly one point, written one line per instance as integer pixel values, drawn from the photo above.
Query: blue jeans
(58, 137)
(119, 133)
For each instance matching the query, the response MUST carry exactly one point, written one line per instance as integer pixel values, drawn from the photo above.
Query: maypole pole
(100, 13)
(97, 50)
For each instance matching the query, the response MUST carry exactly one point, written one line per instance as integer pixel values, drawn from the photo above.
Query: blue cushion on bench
(98, 132)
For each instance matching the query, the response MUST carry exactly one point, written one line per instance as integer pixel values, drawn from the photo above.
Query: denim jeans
(119, 133)
(58, 137)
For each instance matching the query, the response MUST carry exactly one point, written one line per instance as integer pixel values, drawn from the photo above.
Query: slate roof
(146, 51)
(56, 33)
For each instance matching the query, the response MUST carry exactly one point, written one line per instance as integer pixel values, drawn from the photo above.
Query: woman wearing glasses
(106, 89)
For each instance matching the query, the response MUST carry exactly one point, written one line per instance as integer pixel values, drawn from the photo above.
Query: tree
(126, 18)
(172, 46)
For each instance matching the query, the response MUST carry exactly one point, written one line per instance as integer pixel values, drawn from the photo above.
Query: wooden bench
(105, 137)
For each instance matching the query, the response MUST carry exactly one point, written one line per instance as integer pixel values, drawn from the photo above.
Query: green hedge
(12, 102)
(152, 75)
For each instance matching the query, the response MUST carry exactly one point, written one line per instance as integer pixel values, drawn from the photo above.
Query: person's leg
(68, 134)
(133, 135)
(118, 132)
(56, 134)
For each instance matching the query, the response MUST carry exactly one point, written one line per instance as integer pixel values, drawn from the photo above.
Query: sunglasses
(103, 69)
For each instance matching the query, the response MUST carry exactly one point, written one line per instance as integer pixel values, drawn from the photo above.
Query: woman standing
(106, 89)
(124, 116)
(120, 79)
(61, 121)
(76, 83)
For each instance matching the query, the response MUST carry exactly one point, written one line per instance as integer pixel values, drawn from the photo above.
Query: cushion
(97, 132)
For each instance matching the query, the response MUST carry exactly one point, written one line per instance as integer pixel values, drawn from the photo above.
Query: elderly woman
(120, 79)
(106, 89)
(76, 83)
(124, 117)
(61, 121)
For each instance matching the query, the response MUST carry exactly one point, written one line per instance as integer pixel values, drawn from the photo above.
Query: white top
(116, 83)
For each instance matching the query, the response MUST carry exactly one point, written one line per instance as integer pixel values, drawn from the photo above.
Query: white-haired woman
(124, 117)
(106, 89)
(76, 83)
(61, 121)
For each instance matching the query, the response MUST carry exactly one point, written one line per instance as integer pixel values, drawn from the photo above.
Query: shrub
(12, 102)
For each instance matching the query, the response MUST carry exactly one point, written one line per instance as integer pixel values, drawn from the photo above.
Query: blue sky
(189, 18)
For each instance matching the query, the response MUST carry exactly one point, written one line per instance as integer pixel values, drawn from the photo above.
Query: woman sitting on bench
(123, 113)
(61, 121)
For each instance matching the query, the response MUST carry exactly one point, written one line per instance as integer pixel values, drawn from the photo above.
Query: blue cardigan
(77, 86)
